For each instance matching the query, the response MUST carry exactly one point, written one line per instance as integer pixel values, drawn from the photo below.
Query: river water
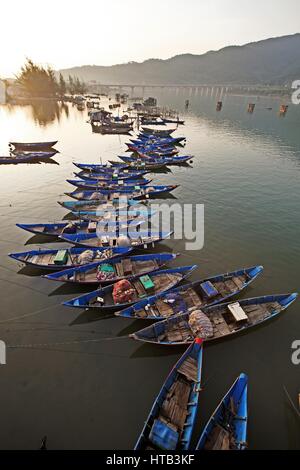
(63, 379)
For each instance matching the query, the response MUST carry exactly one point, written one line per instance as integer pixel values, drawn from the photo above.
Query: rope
(31, 314)
(63, 343)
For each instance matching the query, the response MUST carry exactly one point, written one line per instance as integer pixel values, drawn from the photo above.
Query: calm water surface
(96, 394)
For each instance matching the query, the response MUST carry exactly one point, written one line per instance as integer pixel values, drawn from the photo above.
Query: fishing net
(123, 292)
(200, 324)
(85, 257)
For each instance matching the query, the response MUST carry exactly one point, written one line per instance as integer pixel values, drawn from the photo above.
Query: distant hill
(274, 61)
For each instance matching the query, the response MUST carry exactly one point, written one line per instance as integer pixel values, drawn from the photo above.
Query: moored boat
(140, 192)
(104, 207)
(67, 257)
(36, 146)
(136, 239)
(171, 420)
(173, 121)
(126, 292)
(26, 157)
(77, 226)
(148, 159)
(111, 185)
(227, 427)
(118, 171)
(215, 322)
(111, 179)
(105, 272)
(197, 294)
(152, 165)
(159, 132)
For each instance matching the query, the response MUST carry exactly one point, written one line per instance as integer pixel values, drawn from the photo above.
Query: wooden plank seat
(239, 281)
(222, 288)
(191, 298)
(127, 266)
(219, 439)
(164, 309)
(230, 285)
(219, 324)
(174, 407)
(139, 288)
(119, 269)
(189, 369)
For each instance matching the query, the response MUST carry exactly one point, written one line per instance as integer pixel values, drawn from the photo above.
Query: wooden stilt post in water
(251, 107)
(219, 106)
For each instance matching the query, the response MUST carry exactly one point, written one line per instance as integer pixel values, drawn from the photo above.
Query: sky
(66, 33)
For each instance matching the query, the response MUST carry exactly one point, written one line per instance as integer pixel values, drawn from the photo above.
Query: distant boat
(227, 427)
(37, 146)
(56, 260)
(102, 272)
(126, 292)
(169, 425)
(173, 121)
(26, 157)
(111, 129)
(215, 322)
(163, 132)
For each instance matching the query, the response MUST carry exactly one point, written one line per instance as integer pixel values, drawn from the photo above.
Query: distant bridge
(213, 89)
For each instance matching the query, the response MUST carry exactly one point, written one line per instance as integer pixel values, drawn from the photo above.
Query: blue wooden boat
(26, 157)
(202, 293)
(171, 420)
(113, 205)
(154, 150)
(120, 216)
(35, 146)
(105, 195)
(104, 298)
(124, 175)
(149, 165)
(129, 185)
(147, 141)
(215, 322)
(118, 268)
(165, 140)
(116, 172)
(176, 160)
(45, 259)
(56, 229)
(136, 239)
(227, 427)
(107, 179)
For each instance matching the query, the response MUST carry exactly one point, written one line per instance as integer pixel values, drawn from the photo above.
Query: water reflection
(42, 112)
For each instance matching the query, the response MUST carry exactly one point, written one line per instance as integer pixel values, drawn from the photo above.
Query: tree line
(39, 81)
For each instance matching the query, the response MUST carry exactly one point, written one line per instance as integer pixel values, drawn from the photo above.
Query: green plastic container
(61, 257)
(147, 282)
